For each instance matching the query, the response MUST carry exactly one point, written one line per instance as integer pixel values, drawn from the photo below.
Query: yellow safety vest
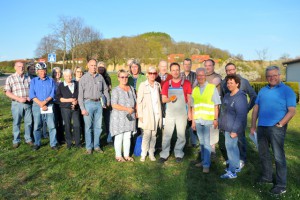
(204, 108)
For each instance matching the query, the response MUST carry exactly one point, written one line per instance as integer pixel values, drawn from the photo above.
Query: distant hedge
(294, 85)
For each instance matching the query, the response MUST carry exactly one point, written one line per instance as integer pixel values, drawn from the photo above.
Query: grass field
(71, 174)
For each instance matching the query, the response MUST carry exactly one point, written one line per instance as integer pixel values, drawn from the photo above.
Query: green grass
(70, 174)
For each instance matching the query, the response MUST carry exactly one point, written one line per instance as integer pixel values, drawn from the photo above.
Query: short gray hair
(67, 71)
(272, 68)
(200, 69)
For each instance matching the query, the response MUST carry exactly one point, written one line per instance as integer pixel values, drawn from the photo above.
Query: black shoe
(263, 181)
(213, 155)
(54, 148)
(35, 147)
(162, 160)
(179, 160)
(278, 190)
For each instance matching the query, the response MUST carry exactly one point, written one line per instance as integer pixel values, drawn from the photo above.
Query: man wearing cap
(17, 89)
(42, 92)
(92, 88)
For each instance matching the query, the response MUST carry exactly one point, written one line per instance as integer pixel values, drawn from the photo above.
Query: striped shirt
(18, 85)
(190, 77)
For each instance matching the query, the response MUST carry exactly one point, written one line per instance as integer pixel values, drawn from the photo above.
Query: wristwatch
(279, 125)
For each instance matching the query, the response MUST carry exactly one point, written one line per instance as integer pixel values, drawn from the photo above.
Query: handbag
(138, 146)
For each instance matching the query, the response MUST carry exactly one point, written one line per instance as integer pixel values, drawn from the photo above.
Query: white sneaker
(143, 159)
(242, 164)
(152, 158)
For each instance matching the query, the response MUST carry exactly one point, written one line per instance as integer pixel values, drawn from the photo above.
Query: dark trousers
(58, 124)
(272, 136)
(242, 146)
(106, 116)
(68, 116)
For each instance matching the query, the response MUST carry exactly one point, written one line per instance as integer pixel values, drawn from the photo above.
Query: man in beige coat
(149, 112)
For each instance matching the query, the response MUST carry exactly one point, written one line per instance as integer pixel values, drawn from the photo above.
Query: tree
(90, 44)
(47, 44)
(262, 55)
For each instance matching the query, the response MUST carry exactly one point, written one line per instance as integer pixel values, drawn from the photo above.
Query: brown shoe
(205, 170)
(199, 164)
(98, 150)
(16, 145)
(89, 151)
(30, 143)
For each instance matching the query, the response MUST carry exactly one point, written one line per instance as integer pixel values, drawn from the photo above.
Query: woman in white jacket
(149, 112)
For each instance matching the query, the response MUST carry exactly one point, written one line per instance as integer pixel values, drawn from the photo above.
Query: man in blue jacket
(245, 86)
(42, 92)
(274, 108)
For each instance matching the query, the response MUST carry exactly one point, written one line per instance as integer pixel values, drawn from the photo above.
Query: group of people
(196, 104)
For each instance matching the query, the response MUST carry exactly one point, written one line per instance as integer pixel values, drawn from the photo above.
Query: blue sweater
(233, 117)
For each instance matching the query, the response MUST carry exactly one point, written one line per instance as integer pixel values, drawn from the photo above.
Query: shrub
(294, 85)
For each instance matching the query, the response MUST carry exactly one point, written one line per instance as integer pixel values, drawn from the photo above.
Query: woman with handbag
(122, 118)
(149, 112)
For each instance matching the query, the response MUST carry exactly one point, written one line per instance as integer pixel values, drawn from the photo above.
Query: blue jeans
(203, 132)
(17, 110)
(274, 136)
(38, 119)
(233, 152)
(93, 121)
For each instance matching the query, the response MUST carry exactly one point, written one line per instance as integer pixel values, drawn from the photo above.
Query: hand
(233, 135)
(130, 110)
(193, 125)
(22, 100)
(74, 102)
(84, 113)
(107, 105)
(141, 119)
(252, 130)
(44, 108)
(215, 123)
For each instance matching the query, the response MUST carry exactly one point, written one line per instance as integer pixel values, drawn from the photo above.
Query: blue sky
(241, 27)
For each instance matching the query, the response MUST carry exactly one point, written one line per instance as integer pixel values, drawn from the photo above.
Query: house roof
(291, 61)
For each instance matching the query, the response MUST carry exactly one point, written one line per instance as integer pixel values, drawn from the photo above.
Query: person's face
(19, 67)
(41, 73)
(152, 74)
(201, 78)
(68, 77)
(31, 70)
(175, 71)
(92, 65)
(230, 70)
(123, 78)
(187, 66)
(101, 69)
(163, 68)
(232, 85)
(209, 67)
(78, 73)
(273, 77)
(134, 69)
(57, 74)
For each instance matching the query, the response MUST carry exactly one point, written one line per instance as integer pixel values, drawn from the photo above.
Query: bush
(294, 85)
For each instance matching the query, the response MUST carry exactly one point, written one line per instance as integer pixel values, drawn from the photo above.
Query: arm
(105, 92)
(139, 104)
(14, 97)
(215, 122)
(254, 118)
(289, 115)
(189, 107)
(252, 95)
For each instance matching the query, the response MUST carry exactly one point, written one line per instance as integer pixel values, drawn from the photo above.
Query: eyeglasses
(152, 73)
(273, 76)
(123, 77)
(78, 71)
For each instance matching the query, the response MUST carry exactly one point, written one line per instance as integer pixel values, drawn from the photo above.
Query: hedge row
(294, 85)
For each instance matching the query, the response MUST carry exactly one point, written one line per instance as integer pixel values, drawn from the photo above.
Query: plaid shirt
(18, 85)
(191, 77)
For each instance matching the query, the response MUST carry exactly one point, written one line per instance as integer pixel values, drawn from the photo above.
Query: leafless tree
(262, 55)
(47, 44)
